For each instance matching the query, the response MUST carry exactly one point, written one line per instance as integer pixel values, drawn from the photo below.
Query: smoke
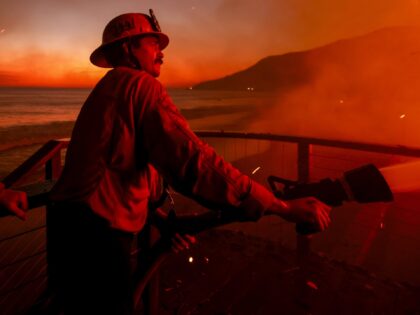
(402, 177)
(274, 27)
(52, 69)
(226, 36)
(363, 89)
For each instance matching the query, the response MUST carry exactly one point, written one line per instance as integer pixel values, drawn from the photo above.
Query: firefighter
(129, 135)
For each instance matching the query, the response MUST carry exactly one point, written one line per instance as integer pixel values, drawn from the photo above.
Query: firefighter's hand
(305, 210)
(180, 243)
(15, 202)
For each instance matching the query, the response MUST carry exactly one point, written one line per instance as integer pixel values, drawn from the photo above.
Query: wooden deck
(234, 273)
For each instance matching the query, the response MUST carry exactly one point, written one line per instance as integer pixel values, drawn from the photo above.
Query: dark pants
(89, 264)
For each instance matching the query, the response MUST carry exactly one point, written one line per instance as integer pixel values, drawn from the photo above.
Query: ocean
(29, 117)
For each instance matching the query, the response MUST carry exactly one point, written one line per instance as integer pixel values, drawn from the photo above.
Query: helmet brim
(98, 55)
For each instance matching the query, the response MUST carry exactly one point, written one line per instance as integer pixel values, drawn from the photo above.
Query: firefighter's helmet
(124, 26)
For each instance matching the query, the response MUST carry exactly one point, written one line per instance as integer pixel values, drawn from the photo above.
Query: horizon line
(68, 87)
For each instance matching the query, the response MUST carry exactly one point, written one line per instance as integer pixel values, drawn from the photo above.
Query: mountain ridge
(293, 69)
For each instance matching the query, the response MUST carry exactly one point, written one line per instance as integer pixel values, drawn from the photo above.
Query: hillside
(365, 88)
(386, 52)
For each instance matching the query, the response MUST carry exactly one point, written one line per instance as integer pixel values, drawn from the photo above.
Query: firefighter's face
(149, 55)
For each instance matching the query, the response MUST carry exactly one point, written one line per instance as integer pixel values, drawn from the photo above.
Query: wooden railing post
(52, 172)
(48, 155)
(53, 167)
(303, 242)
(303, 161)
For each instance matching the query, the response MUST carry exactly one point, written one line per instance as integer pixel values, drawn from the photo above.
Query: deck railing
(48, 160)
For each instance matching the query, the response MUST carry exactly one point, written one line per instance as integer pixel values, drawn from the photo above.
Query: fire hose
(363, 185)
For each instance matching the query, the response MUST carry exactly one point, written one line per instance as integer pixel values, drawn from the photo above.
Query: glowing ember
(190, 260)
(341, 101)
(402, 116)
(382, 225)
(312, 285)
(206, 259)
(256, 170)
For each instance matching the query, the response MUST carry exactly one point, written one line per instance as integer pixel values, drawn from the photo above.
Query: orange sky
(48, 42)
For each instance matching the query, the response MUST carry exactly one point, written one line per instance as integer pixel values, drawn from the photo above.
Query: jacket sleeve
(193, 168)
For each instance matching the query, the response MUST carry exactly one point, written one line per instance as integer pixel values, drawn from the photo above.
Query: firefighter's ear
(126, 49)
(130, 57)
